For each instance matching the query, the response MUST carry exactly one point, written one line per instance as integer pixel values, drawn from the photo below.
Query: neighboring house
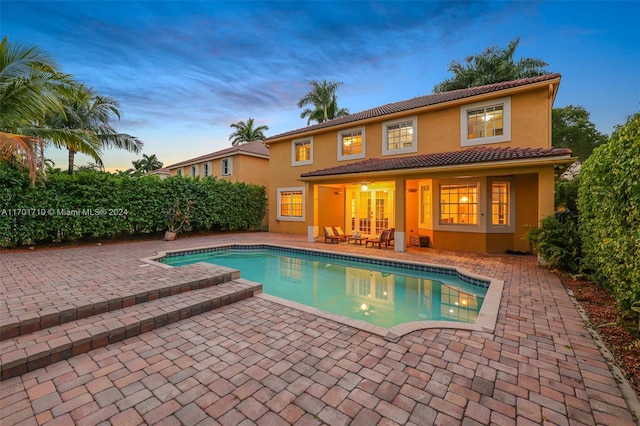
(161, 172)
(471, 169)
(248, 162)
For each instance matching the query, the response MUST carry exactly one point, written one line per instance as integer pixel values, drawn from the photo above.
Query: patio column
(546, 184)
(400, 243)
(311, 207)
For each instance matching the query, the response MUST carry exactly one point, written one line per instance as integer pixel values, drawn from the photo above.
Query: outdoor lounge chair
(380, 240)
(337, 230)
(330, 237)
(391, 238)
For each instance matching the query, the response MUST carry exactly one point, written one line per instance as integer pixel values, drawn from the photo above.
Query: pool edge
(485, 322)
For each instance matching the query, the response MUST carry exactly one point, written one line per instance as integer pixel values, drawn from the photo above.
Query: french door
(372, 210)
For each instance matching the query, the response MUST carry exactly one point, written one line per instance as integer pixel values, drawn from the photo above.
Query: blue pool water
(383, 295)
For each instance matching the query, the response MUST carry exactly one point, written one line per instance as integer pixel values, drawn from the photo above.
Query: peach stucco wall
(438, 131)
(245, 168)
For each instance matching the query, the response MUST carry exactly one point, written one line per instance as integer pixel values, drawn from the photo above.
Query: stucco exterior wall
(438, 130)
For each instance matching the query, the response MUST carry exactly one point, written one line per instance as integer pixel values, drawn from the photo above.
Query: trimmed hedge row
(609, 205)
(92, 204)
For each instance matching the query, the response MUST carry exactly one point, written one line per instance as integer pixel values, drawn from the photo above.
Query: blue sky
(184, 71)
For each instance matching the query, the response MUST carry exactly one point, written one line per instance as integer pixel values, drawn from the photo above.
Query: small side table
(356, 240)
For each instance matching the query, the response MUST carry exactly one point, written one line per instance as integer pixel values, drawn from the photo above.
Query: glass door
(372, 210)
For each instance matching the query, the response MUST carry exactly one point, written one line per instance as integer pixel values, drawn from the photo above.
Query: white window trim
(385, 135)
(206, 169)
(342, 157)
(506, 117)
(278, 203)
(501, 229)
(293, 152)
(480, 226)
(230, 162)
(429, 224)
(194, 171)
(484, 225)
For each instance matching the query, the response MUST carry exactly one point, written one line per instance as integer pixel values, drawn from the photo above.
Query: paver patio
(254, 361)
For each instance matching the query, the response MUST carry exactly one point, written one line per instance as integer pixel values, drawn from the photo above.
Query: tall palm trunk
(72, 155)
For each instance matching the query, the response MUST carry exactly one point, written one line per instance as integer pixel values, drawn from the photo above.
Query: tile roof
(419, 102)
(425, 161)
(257, 148)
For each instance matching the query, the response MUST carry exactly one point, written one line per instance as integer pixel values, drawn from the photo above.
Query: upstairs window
(486, 122)
(351, 144)
(302, 152)
(194, 171)
(226, 167)
(179, 171)
(400, 136)
(206, 169)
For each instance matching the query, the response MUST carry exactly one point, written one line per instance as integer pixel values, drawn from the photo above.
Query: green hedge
(92, 204)
(609, 205)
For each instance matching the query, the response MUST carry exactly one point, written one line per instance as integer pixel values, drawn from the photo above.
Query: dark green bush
(92, 204)
(558, 243)
(609, 205)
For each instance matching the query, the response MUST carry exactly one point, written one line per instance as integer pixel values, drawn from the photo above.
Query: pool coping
(485, 322)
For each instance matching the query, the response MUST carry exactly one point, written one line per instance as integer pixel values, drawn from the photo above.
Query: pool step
(38, 349)
(170, 282)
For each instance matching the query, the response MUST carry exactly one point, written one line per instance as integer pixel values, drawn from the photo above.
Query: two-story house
(471, 169)
(248, 162)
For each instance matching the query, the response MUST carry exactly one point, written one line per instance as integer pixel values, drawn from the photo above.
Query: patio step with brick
(169, 282)
(38, 349)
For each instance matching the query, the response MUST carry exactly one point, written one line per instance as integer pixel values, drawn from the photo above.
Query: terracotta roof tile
(425, 161)
(255, 148)
(419, 102)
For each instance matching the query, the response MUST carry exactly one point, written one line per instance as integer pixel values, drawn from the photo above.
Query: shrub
(558, 243)
(609, 205)
(92, 204)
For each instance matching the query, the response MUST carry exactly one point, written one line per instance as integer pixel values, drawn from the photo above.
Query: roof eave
(216, 157)
(553, 83)
(472, 167)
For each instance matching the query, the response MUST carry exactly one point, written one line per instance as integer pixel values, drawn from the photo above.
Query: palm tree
(324, 101)
(491, 66)
(245, 132)
(147, 164)
(88, 115)
(30, 86)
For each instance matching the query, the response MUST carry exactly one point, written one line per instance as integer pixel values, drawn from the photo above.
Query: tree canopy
(324, 102)
(246, 132)
(40, 105)
(571, 128)
(30, 84)
(88, 114)
(493, 65)
(146, 164)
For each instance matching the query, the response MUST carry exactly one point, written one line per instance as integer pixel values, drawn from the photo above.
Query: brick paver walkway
(258, 362)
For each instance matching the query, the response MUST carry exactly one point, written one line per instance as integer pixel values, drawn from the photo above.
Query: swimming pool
(383, 293)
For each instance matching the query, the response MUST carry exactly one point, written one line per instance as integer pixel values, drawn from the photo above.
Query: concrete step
(38, 349)
(44, 314)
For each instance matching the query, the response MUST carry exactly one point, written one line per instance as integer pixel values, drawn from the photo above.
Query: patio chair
(337, 230)
(391, 238)
(330, 237)
(380, 240)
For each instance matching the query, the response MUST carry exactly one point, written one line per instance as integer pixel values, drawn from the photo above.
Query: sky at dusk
(184, 71)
